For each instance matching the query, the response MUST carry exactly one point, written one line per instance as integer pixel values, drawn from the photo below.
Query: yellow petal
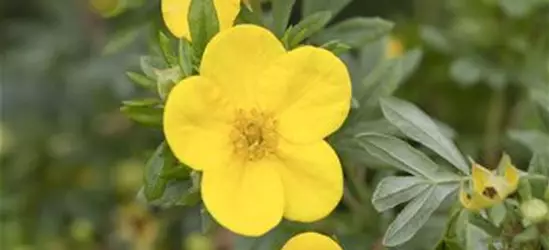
(310, 90)
(197, 123)
(311, 241)
(246, 199)
(481, 177)
(475, 201)
(234, 58)
(175, 14)
(511, 175)
(312, 178)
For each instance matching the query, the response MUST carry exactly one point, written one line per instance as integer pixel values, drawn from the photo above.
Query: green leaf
(147, 102)
(399, 154)
(484, 224)
(395, 190)
(149, 66)
(179, 172)
(186, 58)
(355, 32)
(166, 80)
(141, 80)
(167, 48)
(282, 9)
(203, 24)
(415, 124)
(305, 29)
(336, 47)
(313, 6)
(539, 164)
(121, 40)
(466, 71)
(154, 184)
(518, 9)
(146, 115)
(533, 139)
(531, 233)
(497, 214)
(416, 214)
(541, 99)
(435, 39)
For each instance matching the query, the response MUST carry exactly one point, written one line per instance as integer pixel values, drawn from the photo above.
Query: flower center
(490, 192)
(254, 134)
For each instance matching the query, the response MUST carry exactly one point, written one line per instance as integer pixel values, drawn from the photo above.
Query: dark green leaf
(531, 233)
(167, 49)
(484, 224)
(154, 183)
(186, 58)
(415, 124)
(203, 24)
(305, 29)
(141, 80)
(336, 47)
(282, 9)
(313, 6)
(355, 32)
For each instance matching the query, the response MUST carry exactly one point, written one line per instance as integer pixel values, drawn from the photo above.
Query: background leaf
(395, 190)
(313, 6)
(306, 28)
(282, 10)
(355, 32)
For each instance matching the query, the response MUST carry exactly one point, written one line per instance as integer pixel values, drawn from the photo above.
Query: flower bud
(534, 210)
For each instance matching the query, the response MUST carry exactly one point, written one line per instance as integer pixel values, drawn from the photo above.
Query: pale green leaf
(395, 190)
(149, 66)
(416, 214)
(497, 214)
(355, 32)
(466, 71)
(399, 154)
(415, 124)
(141, 80)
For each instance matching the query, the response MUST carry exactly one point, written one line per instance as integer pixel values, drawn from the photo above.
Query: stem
(493, 126)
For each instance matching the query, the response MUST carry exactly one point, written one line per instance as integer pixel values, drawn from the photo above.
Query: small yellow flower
(308, 241)
(490, 189)
(175, 14)
(394, 48)
(137, 226)
(254, 122)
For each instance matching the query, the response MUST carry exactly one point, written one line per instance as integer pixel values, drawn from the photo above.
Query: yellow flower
(175, 14)
(490, 189)
(394, 48)
(254, 122)
(137, 226)
(308, 241)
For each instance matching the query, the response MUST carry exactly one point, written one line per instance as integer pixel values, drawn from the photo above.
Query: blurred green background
(71, 163)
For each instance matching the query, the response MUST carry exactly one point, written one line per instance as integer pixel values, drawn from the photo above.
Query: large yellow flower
(175, 14)
(310, 241)
(254, 122)
(490, 189)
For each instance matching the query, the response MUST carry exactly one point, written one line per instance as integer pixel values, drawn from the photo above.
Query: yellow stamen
(254, 134)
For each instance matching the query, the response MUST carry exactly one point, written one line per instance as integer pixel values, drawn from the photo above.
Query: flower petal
(311, 240)
(481, 177)
(234, 58)
(310, 90)
(245, 198)
(197, 123)
(475, 201)
(312, 178)
(176, 12)
(511, 175)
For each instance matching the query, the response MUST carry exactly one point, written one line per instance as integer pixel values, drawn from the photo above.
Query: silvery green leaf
(416, 214)
(313, 6)
(415, 124)
(305, 29)
(355, 32)
(203, 23)
(398, 154)
(282, 10)
(395, 190)
(533, 139)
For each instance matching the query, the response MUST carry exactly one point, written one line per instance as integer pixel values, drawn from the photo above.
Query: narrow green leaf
(150, 116)
(355, 32)
(186, 58)
(395, 190)
(154, 183)
(149, 66)
(203, 24)
(533, 139)
(336, 47)
(146, 102)
(305, 29)
(167, 49)
(141, 80)
(416, 214)
(415, 124)
(313, 6)
(282, 9)
(399, 154)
